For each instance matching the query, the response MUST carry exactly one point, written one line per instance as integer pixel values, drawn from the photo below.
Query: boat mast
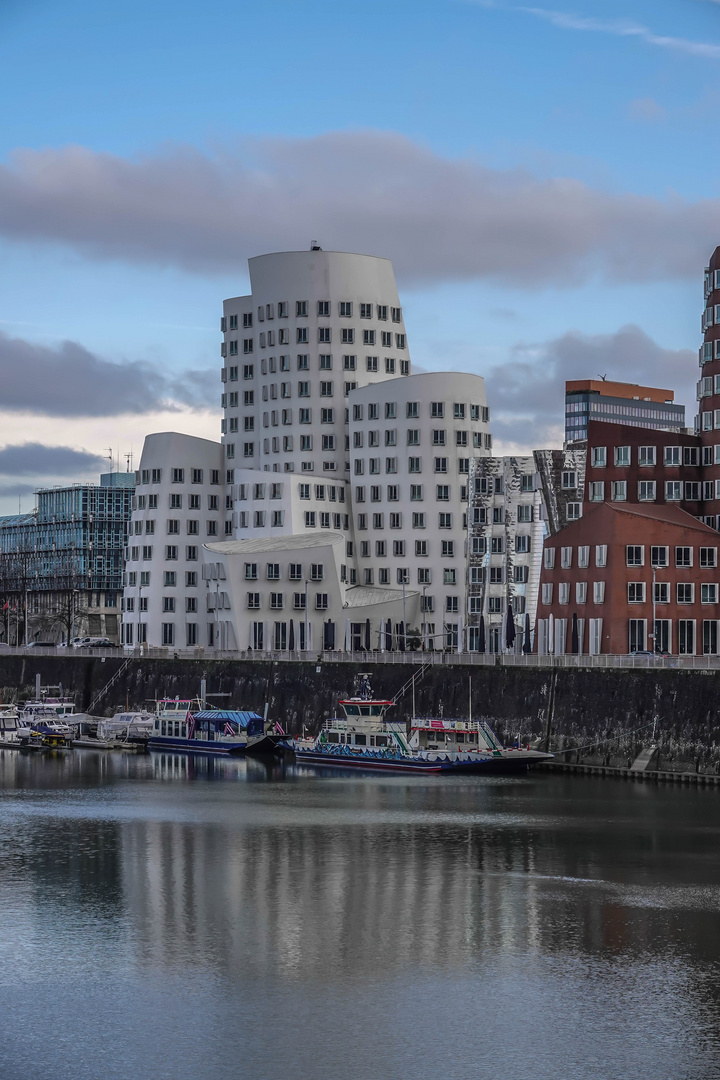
(469, 699)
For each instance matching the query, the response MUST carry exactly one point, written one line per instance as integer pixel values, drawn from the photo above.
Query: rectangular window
(673, 491)
(659, 556)
(686, 637)
(646, 491)
(622, 455)
(598, 592)
(597, 491)
(634, 555)
(709, 594)
(599, 457)
(647, 455)
(637, 635)
(672, 455)
(683, 556)
(636, 592)
(685, 592)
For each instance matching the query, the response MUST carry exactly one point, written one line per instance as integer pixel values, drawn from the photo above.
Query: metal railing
(443, 659)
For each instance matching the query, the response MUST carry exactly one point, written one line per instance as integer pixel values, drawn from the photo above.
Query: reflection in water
(394, 926)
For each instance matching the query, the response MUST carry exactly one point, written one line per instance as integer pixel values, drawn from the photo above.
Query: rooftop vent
(314, 246)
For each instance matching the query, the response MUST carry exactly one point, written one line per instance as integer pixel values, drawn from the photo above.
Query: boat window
(381, 740)
(183, 731)
(377, 710)
(460, 737)
(163, 728)
(352, 710)
(157, 725)
(333, 736)
(360, 739)
(364, 710)
(177, 729)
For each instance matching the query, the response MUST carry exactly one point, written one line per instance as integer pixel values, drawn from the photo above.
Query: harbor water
(179, 919)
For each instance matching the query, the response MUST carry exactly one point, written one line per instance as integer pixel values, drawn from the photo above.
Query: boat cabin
(452, 736)
(364, 723)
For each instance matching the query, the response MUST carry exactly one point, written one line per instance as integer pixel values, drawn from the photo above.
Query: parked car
(101, 643)
(80, 642)
(41, 645)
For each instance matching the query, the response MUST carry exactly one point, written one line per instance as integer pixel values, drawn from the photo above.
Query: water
(177, 920)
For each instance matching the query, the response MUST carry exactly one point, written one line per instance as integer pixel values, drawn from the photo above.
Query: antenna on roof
(314, 246)
(603, 377)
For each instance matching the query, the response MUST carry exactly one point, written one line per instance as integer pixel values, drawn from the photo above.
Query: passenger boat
(182, 726)
(125, 731)
(365, 737)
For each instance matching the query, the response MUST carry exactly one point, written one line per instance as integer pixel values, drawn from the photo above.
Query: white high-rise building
(334, 512)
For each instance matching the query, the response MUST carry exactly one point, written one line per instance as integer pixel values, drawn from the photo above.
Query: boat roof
(364, 701)
(226, 715)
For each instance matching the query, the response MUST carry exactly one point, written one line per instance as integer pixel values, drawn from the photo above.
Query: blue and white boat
(365, 737)
(181, 725)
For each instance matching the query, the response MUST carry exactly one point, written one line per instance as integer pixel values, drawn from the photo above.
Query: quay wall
(596, 716)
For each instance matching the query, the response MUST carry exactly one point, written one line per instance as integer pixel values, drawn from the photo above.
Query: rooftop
(630, 391)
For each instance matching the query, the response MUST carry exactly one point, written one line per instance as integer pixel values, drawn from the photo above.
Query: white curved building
(178, 507)
(328, 443)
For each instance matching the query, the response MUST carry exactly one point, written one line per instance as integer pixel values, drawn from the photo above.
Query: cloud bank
(67, 380)
(33, 459)
(437, 218)
(527, 394)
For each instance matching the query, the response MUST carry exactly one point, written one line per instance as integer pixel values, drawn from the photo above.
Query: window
(168, 633)
(673, 491)
(191, 553)
(647, 455)
(569, 480)
(169, 579)
(566, 557)
(686, 637)
(636, 592)
(662, 592)
(659, 556)
(598, 592)
(324, 335)
(276, 601)
(692, 491)
(347, 336)
(441, 464)
(522, 544)
(637, 635)
(583, 557)
(581, 592)
(672, 455)
(390, 410)
(445, 521)
(442, 492)
(597, 491)
(708, 556)
(634, 555)
(524, 513)
(622, 455)
(547, 593)
(709, 594)
(549, 558)
(710, 637)
(253, 600)
(171, 552)
(683, 556)
(646, 491)
(574, 511)
(685, 592)
(323, 309)
(599, 457)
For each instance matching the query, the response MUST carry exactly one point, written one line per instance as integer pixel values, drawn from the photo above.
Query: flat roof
(629, 391)
(286, 542)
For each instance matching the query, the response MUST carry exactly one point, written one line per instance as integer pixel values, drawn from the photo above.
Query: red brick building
(640, 465)
(624, 572)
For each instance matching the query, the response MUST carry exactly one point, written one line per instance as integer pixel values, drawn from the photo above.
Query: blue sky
(559, 162)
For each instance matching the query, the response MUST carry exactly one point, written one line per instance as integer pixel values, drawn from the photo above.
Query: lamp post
(654, 610)
(424, 615)
(404, 620)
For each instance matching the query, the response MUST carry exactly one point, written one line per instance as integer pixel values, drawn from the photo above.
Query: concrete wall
(589, 706)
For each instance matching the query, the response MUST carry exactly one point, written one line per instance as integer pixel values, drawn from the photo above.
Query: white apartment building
(334, 512)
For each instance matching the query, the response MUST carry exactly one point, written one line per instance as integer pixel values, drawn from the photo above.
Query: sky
(544, 178)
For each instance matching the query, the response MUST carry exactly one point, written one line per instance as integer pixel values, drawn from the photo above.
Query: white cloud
(438, 218)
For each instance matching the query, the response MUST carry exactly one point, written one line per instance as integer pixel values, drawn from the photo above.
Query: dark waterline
(170, 919)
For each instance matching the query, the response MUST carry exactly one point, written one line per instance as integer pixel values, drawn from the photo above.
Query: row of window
(646, 456)
(440, 465)
(195, 476)
(172, 527)
(636, 592)
(634, 556)
(302, 337)
(495, 485)
(175, 502)
(130, 579)
(322, 310)
(276, 519)
(496, 515)
(687, 643)
(275, 491)
(134, 554)
(675, 490)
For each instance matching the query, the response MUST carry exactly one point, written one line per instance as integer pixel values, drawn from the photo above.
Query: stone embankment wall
(588, 708)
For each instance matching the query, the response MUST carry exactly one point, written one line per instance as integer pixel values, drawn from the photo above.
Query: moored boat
(182, 726)
(365, 737)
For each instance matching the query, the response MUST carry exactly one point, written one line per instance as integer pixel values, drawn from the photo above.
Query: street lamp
(306, 617)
